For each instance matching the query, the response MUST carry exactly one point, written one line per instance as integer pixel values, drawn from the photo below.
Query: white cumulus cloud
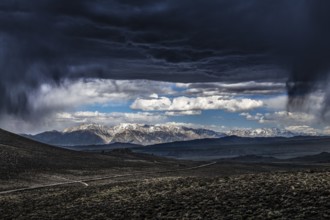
(71, 94)
(180, 113)
(303, 129)
(184, 103)
(112, 118)
(281, 118)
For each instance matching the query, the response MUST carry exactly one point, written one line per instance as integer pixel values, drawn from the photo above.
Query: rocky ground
(275, 195)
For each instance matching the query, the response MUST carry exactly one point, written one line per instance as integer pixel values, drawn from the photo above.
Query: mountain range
(142, 134)
(95, 134)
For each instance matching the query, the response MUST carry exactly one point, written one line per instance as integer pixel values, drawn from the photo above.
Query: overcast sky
(218, 64)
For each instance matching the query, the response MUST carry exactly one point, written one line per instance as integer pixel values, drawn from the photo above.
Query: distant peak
(86, 126)
(261, 132)
(128, 126)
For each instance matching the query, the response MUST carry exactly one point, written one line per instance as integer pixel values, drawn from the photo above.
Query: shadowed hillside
(19, 154)
(233, 146)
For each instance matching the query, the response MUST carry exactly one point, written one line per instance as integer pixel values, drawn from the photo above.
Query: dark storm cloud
(47, 41)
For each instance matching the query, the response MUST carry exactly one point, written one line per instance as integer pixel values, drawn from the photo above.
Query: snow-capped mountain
(93, 134)
(261, 132)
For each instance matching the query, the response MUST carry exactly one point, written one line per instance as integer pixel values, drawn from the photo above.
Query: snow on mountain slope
(261, 132)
